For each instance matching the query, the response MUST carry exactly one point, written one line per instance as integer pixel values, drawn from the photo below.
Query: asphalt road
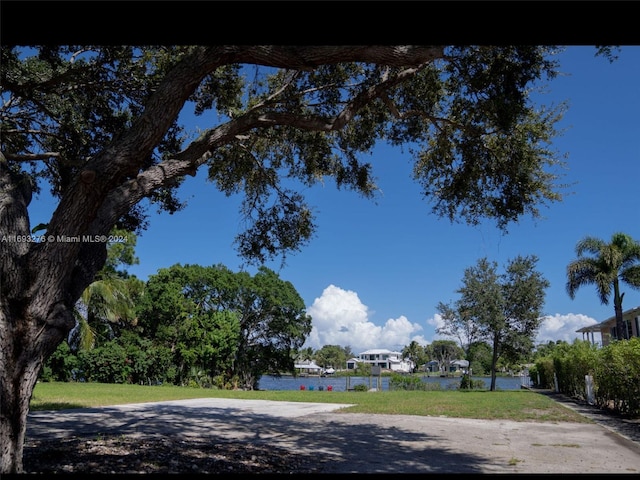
(363, 443)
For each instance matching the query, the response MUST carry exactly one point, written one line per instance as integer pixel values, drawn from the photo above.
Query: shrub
(468, 383)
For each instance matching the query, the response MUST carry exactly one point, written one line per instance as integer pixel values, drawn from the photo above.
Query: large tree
(609, 264)
(273, 326)
(99, 126)
(229, 325)
(505, 308)
(331, 356)
(184, 311)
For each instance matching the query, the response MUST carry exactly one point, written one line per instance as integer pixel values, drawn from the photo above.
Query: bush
(615, 369)
(616, 377)
(405, 382)
(468, 383)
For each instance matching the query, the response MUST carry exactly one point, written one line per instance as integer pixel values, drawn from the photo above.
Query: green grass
(518, 405)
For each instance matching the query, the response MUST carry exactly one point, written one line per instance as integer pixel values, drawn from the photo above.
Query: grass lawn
(517, 405)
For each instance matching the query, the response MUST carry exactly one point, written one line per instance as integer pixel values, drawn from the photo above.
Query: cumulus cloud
(563, 327)
(552, 328)
(340, 318)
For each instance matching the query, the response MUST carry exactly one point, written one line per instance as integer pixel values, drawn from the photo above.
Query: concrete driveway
(362, 443)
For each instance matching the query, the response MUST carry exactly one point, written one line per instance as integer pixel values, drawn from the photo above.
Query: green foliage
(362, 370)
(107, 305)
(60, 365)
(468, 383)
(105, 364)
(482, 145)
(361, 387)
(416, 353)
(480, 358)
(201, 326)
(616, 376)
(615, 369)
(572, 364)
(331, 356)
(410, 382)
(502, 309)
(223, 323)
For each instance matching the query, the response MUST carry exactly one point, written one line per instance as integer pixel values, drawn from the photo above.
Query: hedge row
(614, 370)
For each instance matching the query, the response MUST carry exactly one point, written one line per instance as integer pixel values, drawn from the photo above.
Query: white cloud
(563, 327)
(340, 318)
(553, 327)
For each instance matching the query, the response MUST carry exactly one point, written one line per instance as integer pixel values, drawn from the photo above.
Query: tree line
(187, 325)
(211, 327)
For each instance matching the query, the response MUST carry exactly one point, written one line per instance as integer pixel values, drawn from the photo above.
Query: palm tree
(611, 263)
(104, 303)
(110, 300)
(414, 352)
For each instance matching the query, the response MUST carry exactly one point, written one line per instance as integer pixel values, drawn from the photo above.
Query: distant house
(607, 328)
(432, 366)
(385, 359)
(308, 367)
(454, 366)
(459, 366)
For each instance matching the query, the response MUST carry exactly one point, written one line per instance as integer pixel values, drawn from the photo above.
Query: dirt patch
(119, 454)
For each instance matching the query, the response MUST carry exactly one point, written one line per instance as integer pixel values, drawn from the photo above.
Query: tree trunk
(24, 348)
(621, 331)
(494, 363)
(35, 313)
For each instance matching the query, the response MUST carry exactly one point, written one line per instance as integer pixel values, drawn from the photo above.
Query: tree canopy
(229, 325)
(504, 309)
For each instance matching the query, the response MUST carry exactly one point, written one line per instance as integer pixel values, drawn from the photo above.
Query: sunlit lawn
(518, 405)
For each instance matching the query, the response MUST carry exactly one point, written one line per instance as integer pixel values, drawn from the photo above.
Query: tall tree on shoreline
(505, 309)
(99, 126)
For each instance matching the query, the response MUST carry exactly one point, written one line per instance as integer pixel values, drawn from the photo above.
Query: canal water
(341, 384)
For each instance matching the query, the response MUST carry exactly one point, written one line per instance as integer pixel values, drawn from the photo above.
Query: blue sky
(376, 270)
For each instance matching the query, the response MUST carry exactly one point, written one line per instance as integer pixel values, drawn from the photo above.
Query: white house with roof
(383, 358)
(308, 367)
(607, 328)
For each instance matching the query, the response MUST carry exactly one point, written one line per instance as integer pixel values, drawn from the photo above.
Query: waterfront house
(383, 358)
(308, 367)
(445, 368)
(607, 328)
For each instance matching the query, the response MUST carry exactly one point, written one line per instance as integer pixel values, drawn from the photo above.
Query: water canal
(341, 384)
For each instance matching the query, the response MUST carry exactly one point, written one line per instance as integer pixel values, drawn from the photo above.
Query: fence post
(588, 379)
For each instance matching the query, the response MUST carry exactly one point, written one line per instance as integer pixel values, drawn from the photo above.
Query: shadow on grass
(55, 406)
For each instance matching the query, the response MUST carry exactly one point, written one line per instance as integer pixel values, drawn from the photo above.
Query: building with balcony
(607, 328)
(385, 359)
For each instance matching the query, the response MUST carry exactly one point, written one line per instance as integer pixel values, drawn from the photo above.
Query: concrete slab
(362, 443)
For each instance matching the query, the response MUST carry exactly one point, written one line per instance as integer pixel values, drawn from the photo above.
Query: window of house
(627, 325)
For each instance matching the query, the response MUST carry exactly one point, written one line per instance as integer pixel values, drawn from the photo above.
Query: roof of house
(596, 327)
(377, 351)
(307, 364)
